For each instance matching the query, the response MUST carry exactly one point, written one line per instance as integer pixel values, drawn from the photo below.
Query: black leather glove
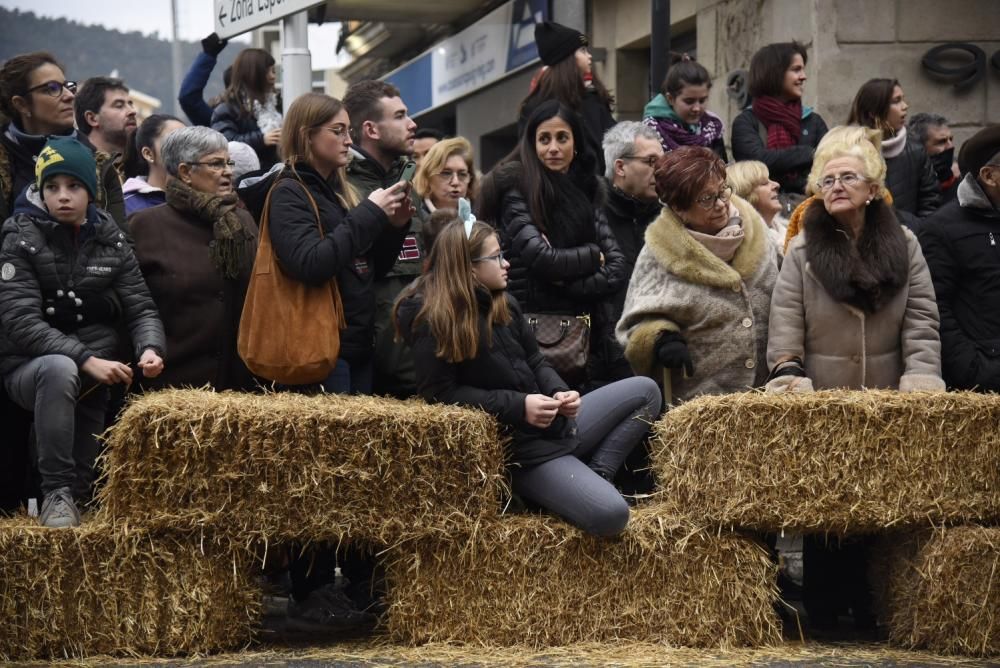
(673, 353)
(213, 44)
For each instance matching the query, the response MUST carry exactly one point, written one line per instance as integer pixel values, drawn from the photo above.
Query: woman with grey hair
(196, 252)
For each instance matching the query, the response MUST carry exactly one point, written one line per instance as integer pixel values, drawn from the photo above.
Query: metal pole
(659, 45)
(175, 58)
(296, 62)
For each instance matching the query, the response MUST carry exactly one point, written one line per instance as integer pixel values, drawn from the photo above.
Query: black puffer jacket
(359, 246)
(238, 126)
(788, 166)
(17, 171)
(628, 219)
(547, 279)
(961, 243)
(40, 256)
(497, 380)
(916, 192)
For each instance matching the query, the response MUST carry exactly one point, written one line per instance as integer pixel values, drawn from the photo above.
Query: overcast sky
(152, 16)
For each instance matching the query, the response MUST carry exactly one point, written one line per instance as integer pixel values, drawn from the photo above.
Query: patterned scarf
(783, 120)
(675, 133)
(232, 246)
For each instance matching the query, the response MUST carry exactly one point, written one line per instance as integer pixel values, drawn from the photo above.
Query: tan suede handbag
(289, 331)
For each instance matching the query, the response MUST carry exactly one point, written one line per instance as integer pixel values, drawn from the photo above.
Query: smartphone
(408, 171)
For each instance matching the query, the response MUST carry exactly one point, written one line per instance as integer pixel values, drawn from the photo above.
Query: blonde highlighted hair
(304, 119)
(746, 176)
(433, 162)
(853, 141)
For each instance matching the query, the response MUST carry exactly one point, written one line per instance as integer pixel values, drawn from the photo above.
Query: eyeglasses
(848, 179)
(338, 131)
(217, 165)
(447, 175)
(649, 160)
(490, 258)
(54, 88)
(708, 201)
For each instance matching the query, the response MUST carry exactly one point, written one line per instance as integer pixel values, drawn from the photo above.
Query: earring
(27, 114)
(868, 201)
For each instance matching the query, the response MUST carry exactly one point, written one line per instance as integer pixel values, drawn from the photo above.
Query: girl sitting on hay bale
(472, 345)
(68, 275)
(854, 308)
(698, 301)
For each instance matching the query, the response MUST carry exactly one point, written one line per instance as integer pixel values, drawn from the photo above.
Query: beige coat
(720, 309)
(893, 346)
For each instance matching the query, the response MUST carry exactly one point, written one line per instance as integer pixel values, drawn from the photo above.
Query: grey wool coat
(863, 317)
(720, 309)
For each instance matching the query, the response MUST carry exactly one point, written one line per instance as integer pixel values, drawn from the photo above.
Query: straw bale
(941, 590)
(103, 590)
(288, 466)
(834, 461)
(538, 582)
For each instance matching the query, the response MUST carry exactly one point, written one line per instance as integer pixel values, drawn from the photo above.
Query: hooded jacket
(140, 195)
(18, 152)
(40, 256)
(789, 166)
(496, 380)
(859, 316)
(962, 245)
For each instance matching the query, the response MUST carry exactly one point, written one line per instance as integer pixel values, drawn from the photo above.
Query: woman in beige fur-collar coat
(700, 294)
(854, 306)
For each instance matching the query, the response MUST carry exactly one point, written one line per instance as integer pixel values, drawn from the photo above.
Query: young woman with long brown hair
(250, 111)
(471, 345)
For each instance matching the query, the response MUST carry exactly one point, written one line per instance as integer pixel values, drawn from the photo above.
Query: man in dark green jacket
(383, 135)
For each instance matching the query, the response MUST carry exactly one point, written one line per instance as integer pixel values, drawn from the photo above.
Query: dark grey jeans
(65, 429)
(612, 420)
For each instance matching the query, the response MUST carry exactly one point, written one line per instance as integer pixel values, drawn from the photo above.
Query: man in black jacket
(383, 135)
(961, 242)
(631, 150)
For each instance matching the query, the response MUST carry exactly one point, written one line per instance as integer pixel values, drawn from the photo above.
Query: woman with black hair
(678, 112)
(569, 78)
(777, 129)
(881, 105)
(146, 177)
(547, 203)
(250, 111)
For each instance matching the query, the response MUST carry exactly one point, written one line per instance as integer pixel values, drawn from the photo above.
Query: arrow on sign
(222, 14)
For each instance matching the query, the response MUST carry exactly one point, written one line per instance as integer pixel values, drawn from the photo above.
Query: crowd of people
(598, 274)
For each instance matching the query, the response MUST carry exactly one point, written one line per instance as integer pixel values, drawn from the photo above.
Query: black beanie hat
(556, 42)
(978, 149)
(66, 155)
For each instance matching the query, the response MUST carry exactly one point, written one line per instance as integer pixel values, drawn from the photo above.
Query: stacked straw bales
(103, 590)
(287, 466)
(836, 461)
(536, 581)
(941, 589)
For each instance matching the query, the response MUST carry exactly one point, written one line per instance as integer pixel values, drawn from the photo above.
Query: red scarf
(782, 119)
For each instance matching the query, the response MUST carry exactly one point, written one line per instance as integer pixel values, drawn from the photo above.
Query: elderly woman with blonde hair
(752, 181)
(853, 308)
(854, 305)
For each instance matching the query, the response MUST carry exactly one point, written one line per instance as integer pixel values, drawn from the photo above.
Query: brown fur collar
(684, 257)
(866, 275)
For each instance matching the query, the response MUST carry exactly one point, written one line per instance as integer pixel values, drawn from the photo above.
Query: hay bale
(287, 466)
(832, 461)
(104, 590)
(941, 590)
(536, 581)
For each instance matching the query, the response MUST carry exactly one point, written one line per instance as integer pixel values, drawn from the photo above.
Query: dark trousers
(612, 420)
(66, 424)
